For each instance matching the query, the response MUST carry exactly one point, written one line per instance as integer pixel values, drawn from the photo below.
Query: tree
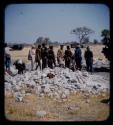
(95, 41)
(86, 40)
(46, 40)
(106, 41)
(39, 40)
(105, 33)
(82, 33)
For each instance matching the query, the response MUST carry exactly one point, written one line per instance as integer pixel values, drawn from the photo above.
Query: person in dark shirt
(89, 59)
(51, 58)
(78, 57)
(68, 57)
(44, 56)
(38, 57)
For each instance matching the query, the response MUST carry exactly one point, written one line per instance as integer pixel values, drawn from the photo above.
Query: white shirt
(7, 50)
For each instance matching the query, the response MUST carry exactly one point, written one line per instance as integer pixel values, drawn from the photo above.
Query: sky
(26, 22)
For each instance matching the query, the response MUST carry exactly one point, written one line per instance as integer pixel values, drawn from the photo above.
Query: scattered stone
(41, 113)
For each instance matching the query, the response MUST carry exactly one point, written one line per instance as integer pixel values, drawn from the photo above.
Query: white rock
(41, 113)
(19, 99)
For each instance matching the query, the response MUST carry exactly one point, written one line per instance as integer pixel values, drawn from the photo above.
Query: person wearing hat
(89, 59)
(78, 57)
(32, 56)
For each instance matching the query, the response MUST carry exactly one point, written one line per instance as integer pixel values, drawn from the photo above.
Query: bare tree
(95, 41)
(82, 33)
(46, 40)
(39, 40)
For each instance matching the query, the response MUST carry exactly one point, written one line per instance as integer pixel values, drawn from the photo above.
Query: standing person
(32, 55)
(67, 57)
(78, 57)
(89, 59)
(7, 58)
(38, 57)
(60, 55)
(44, 56)
(51, 58)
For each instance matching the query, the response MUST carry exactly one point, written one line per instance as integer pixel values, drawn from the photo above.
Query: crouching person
(20, 66)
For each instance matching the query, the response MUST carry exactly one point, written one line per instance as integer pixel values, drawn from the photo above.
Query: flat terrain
(84, 107)
(23, 54)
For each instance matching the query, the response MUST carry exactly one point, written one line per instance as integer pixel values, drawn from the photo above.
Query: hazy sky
(27, 22)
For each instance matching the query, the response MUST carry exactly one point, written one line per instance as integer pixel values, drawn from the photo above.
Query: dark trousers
(44, 63)
(50, 64)
(7, 63)
(89, 64)
(78, 64)
(39, 64)
(67, 63)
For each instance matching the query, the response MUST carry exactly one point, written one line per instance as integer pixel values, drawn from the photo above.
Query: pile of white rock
(101, 63)
(63, 83)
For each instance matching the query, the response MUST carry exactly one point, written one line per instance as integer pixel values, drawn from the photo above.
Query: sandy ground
(86, 108)
(90, 109)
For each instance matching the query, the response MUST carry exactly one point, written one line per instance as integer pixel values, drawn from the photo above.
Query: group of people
(71, 59)
(42, 56)
(45, 57)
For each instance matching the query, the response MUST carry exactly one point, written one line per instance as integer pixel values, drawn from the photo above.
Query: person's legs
(87, 65)
(36, 66)
(42, 64)
(32, 64)
(91, 66)
(58, 61)
(77, 64)
(65, 63)
(45, 63)
(8, 64)
(39, 64)
(68, 64)
(50, 64)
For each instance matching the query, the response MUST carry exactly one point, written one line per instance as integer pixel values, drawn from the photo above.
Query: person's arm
(65, 54)
(85, 55)
(91, 54)
(54, 59)
(71, 54)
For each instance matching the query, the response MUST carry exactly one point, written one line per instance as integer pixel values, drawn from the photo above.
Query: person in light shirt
(7, 58)
(32, 54)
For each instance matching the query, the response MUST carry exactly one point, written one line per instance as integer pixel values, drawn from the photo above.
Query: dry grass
(57, 111)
